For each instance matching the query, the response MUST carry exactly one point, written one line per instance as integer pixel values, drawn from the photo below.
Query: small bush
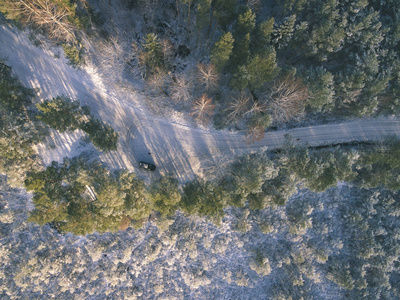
(73, 53)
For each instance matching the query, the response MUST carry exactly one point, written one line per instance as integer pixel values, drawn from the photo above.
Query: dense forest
(293, 223)
(247, 64)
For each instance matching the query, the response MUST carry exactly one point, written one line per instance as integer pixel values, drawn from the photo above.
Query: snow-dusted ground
(175, 147)
(193, 259)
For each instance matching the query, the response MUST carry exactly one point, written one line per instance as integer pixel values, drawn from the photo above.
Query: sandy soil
(174, 147)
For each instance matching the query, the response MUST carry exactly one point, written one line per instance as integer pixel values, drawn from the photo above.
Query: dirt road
(175, 148)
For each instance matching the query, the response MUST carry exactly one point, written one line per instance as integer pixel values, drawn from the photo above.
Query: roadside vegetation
(61, 21)
(63, 114)
(21, 129)
(316, 214)
(261, 64)
(249, 65)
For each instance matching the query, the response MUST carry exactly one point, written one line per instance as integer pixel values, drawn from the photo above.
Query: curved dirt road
(175, 148)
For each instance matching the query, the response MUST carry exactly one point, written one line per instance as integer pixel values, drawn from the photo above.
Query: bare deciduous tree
(202, 109)
(158, 81)
(255, 5)
(239, 106)
(114, 56)
(44, 14)
(207, 76)
(287, 99)
(256, 108)
(254, 134)
(181, 88)
(244, 105)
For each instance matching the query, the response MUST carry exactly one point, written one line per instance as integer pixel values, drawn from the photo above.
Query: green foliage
(322, 169)
(225, 11)
(73, 53)
(260, 120)
(165, 195)
(61, 113)
(258, 71)
(152, 56)
(18, 131)
(204, 199)
(101, 135)
(81, 198)
(137, 205)
(321, 89)
(380, 166)
(347, 48)
(203, 15)
(222, 50)
(241, 52)
(284, 31)
(248, 175)
(262, 69)
(277, 191)
(340, 274)
(13, 96)
(263, 36)
(246, 23)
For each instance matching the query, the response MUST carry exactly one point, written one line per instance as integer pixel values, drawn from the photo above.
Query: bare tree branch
(239, 106)
(45, 15)
(181, 89)
(207, 76)
(202, 109)
(287, 99)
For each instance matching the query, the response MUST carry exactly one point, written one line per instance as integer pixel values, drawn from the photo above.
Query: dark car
(147, 166)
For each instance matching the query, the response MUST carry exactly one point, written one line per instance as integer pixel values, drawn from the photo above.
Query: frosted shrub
(195, 277)
(220, 244)
(158, 288)
(242, 224)
(152, 253)
(266, 228)
(7, 217)
(163, 224)
(262, 267)
(241, 279)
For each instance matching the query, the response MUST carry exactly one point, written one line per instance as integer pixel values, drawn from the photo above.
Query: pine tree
(258, 71)
(151, 57)
(222, 50)
(204, 199)
(165, 196)
(246, 23)
(61, 113)
(225, 11)
(321, 89)
(101, 135)
(263, 36)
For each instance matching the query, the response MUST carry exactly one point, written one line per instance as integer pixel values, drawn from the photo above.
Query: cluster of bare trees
(51, 16)
(194, 88)
(286, 99)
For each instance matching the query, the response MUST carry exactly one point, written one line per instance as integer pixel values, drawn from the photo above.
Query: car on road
(147, 166)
